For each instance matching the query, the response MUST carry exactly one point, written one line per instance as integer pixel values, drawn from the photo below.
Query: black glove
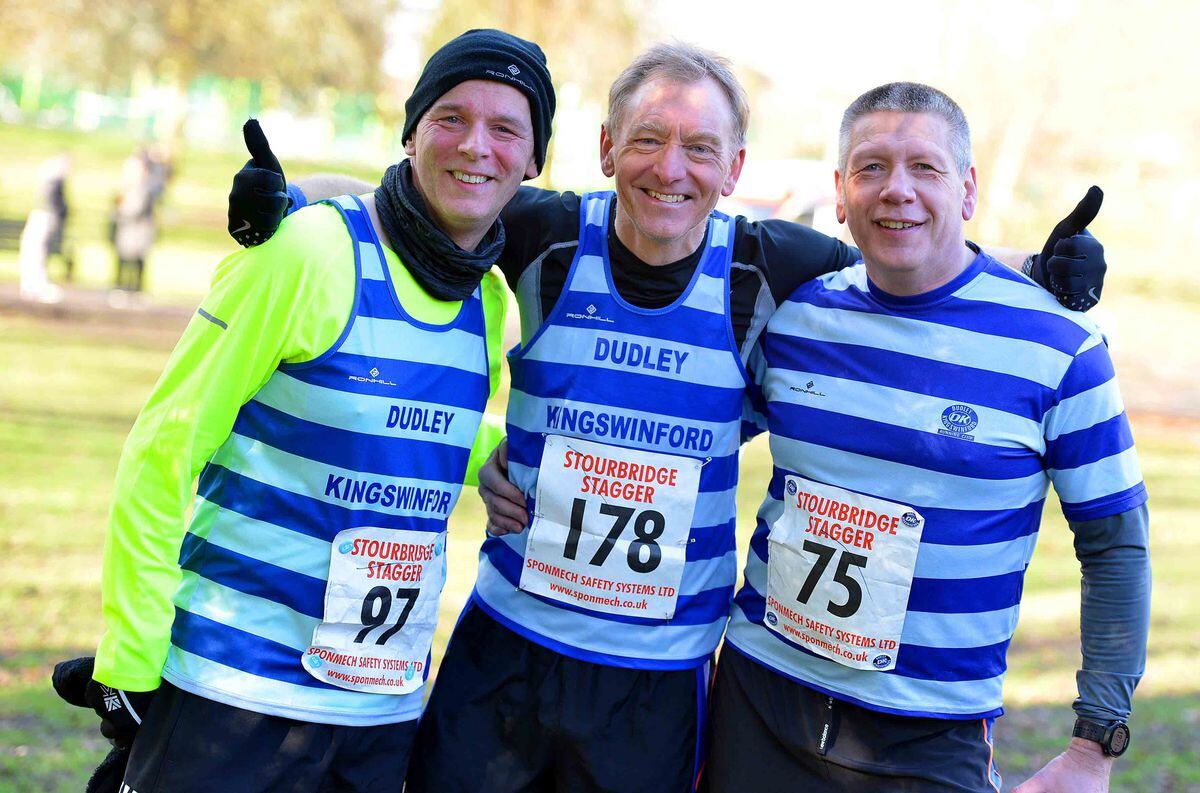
(70, 680)
(73, 682)
(109, 775)
(120, 712)
(258, 201)
(1071, 265)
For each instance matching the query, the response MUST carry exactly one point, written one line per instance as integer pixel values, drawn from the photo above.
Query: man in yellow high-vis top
(328, 395)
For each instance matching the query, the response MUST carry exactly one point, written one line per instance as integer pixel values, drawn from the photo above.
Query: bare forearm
(327, 185)
(1011, 257)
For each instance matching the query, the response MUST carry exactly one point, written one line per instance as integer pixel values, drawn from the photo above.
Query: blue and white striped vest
(664, 380)
(375, 432)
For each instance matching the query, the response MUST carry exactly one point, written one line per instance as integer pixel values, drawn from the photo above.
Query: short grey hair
(909, 98)
(685, 63)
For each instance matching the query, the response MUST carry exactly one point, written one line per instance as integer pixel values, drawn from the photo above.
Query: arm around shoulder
(320, 186)
(790, 254)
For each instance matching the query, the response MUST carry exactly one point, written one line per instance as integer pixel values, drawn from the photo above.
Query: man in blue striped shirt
(920, 404)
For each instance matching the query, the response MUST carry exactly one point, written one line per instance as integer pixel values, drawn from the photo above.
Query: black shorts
(188, 743)
(508, 715)
(770, 734)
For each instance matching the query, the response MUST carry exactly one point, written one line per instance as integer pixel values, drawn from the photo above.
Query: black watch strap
(1113, 738)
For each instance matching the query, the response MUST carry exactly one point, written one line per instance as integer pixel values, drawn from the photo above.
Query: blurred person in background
(42, 236)
(638, 309)
(328, 394)
(133, 222)
(160, 170)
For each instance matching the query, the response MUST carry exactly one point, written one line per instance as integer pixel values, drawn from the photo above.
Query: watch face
(1119, 742)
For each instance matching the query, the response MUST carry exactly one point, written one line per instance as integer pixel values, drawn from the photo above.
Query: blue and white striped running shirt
(965, 403)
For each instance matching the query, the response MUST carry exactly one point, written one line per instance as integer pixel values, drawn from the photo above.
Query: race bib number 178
(611, 527)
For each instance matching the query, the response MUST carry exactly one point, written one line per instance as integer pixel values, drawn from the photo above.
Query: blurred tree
(586, 43)
(1075, 93)
(299, 44)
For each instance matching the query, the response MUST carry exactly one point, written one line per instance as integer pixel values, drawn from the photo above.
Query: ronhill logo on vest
(407, 417)
(640, 356)
(590, 316)
(374, 378)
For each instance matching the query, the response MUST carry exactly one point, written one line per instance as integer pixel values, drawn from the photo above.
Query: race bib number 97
(611, 529)
(381, 609)
(839, 573)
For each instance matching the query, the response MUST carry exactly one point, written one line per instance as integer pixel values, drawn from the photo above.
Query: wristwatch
(1112, 737)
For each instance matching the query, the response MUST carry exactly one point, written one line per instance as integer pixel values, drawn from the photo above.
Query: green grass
(70, 393)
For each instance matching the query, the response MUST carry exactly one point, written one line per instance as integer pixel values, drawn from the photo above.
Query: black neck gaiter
(443, 269)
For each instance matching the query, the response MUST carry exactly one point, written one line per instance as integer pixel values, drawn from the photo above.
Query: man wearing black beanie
(487, 55)
(328, 394)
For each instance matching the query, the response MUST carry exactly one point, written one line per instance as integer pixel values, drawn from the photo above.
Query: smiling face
(470, 152)
(674, 153)
(905, 201)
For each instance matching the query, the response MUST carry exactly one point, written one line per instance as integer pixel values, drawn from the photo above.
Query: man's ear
(971, 194)
(532, 170)
(841, 203)
(606, 148)
(410, 148)
(735, 172)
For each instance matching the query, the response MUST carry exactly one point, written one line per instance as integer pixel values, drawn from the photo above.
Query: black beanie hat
(488, 55)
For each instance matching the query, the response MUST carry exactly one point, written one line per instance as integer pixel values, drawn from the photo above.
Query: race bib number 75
(611, 528)
(839, 573)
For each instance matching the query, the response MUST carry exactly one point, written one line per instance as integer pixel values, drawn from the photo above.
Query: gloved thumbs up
(1071, 265)
(261, 155)
(259, 200)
